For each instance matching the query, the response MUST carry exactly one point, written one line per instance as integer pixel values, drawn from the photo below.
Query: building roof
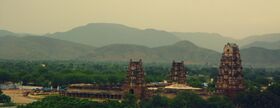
(182, 87)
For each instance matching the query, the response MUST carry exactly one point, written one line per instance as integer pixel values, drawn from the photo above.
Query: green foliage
(4, 76)
(196, 81)
(156, 102)
(188, 100)
(5, 99)
(63, 73)
(130, 101)
(257, 100)
(63, 102)
(219, 102)
(275, 89)
(113, 104)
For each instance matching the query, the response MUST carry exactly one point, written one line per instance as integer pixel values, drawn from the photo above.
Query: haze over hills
(7, 33)
(263, 44)
(212, 41)
(40, 48)
(260, 57)
(116, 42)
(273, 37)
(183, 50)
(101, 34)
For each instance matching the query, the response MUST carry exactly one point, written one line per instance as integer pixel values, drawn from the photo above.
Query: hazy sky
(232, 18)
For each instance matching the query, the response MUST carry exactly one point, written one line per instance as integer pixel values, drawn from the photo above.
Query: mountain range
(40, 48)
(264, 44)
(115, 42)
(183, 50)
(101, 34)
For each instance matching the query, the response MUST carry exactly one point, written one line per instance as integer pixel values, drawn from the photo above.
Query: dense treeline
(53, 73)
(47, 73)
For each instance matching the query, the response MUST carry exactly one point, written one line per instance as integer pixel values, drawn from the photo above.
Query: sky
(231, 18)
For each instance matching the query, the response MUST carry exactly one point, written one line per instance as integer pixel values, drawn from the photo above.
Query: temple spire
(230, 76)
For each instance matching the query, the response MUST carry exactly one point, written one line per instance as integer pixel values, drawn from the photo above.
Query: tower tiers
(178, 73)
(230, 77)
(135, 82)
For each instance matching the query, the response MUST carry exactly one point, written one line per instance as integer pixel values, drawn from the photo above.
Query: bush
(4, 98)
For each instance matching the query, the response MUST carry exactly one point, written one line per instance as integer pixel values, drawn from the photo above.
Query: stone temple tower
(178, 73)
(230, 77)
(135, 82)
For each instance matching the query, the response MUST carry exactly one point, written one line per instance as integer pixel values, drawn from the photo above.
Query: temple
(230, 77)
(135, 82)
(178, 73)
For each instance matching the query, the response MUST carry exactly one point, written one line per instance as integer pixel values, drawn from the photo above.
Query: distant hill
(117, 42)
(7, 33)
(260, 57)
(262, 44)
(273, 37)
(211, 41)
(102, 34)
(40, 48)
(189, 52)
(44, 48)
(183, 50)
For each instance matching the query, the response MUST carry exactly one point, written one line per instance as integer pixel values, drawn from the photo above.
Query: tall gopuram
(135, 82)
(230, 77)
(178, 73)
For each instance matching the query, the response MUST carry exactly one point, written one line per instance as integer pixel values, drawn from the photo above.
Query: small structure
(8, 85)
(178, 73)
(230, 77)
(94, 91)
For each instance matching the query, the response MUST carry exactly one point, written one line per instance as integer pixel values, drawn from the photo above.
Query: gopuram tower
(135, 82)
(230, 77)
(178, 73)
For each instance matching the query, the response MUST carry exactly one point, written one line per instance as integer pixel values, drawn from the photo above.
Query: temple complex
(135, 84)
(230, 77)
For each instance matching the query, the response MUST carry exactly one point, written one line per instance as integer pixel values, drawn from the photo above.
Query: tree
(257, 100)
(4, 76)
(188, 100)
(130, 101)
(156, 101)
(113, 104)
(4, 98)
(219, 102)
(275, 89)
